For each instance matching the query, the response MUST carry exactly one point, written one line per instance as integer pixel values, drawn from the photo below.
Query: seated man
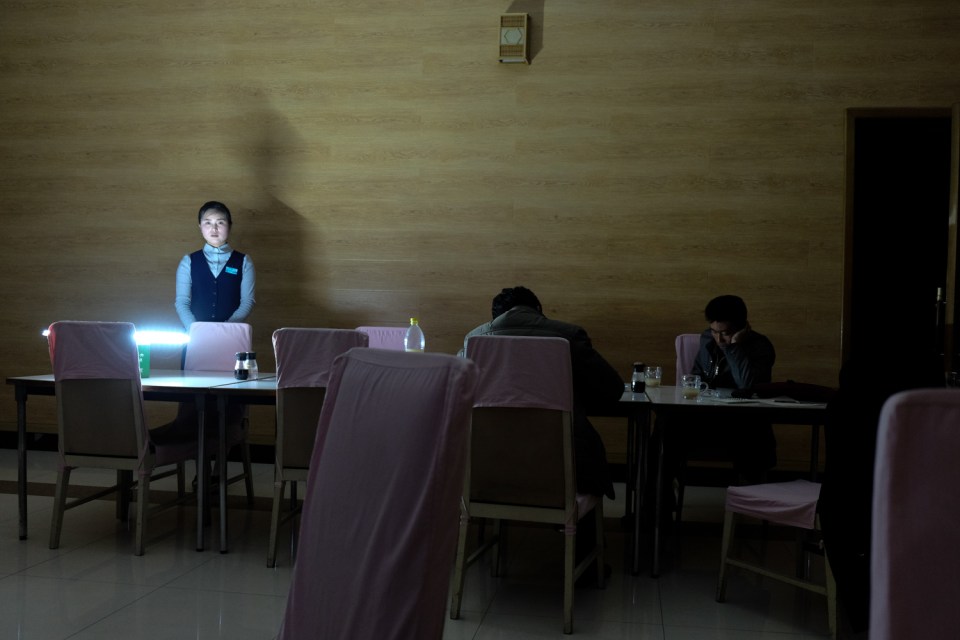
(596, 384)
(731, 356)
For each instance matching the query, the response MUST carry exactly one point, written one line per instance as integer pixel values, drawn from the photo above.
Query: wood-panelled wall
(380, 163)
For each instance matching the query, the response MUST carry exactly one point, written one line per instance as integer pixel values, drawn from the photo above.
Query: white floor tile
(93, 587)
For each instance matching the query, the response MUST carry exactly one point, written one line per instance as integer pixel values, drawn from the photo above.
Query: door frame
(952, 330)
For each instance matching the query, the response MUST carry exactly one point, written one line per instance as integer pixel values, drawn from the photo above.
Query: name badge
(231, 270)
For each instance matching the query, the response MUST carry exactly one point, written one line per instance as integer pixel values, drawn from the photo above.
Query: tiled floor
(93, 587)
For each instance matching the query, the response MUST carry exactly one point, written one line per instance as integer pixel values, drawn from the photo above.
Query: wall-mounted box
(514, 28)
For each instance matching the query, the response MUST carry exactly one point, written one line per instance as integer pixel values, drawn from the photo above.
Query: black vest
(215, 299)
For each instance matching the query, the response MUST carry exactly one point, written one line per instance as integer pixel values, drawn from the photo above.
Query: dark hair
(213, 205)
(510, 298)
(730, 309)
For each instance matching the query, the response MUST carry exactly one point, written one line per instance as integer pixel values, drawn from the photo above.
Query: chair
(792, 504)
(380, 507)
(521, 465)
(100, 419)
(213, 347)
(385, 337)
(915, 560)
(304, 358)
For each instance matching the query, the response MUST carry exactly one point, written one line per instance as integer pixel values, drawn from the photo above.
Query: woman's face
(215, 228)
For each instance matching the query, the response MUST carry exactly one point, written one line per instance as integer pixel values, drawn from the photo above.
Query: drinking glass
(690, 386)
(652, 375)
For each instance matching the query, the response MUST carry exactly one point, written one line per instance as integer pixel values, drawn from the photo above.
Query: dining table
(165, 385)
(640, 408)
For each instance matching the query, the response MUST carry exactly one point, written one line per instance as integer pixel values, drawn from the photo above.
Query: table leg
(642, 444)
(20, 393)
(201, 401)
(630, 497)
(222, 465)
(655, 569)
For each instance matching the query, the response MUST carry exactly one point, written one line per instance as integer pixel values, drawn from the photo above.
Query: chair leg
(278, 490)
(831, 587)
(143, 498)
(500, 552)
(831, 599)
(124, 490)
(181, 480)
(59, 505)
(803, 556)
(459, 567)
(728, 529)
(569, 565)
(247, 471)
(598, 521)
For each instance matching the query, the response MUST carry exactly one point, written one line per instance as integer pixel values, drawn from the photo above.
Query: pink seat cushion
(787, 503)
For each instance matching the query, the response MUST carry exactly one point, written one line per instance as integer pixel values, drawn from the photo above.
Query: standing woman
(216, 283)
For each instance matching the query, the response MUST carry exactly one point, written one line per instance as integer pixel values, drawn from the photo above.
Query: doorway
(900, 255)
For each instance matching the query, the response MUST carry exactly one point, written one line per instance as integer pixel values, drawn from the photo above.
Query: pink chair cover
(380, 514)
(512, 372)
(787, 503)
(213, 346)
(93, 350)
(915, 557)
(687, 345)
(385, 337)
(305, 356)
(527, 371)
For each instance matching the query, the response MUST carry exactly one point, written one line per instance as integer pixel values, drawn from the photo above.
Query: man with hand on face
(731, 354)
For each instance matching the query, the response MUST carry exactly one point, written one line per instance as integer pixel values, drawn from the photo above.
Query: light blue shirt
(216, 259)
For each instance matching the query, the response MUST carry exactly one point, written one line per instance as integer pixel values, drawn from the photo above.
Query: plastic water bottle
(414, 340)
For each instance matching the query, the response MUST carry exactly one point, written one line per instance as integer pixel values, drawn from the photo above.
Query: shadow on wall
(534, 8)
(289, 291)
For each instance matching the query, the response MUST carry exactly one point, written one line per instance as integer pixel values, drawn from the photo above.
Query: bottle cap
(251, 355)
(241, 355)
(638, 366)
(414, 321)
